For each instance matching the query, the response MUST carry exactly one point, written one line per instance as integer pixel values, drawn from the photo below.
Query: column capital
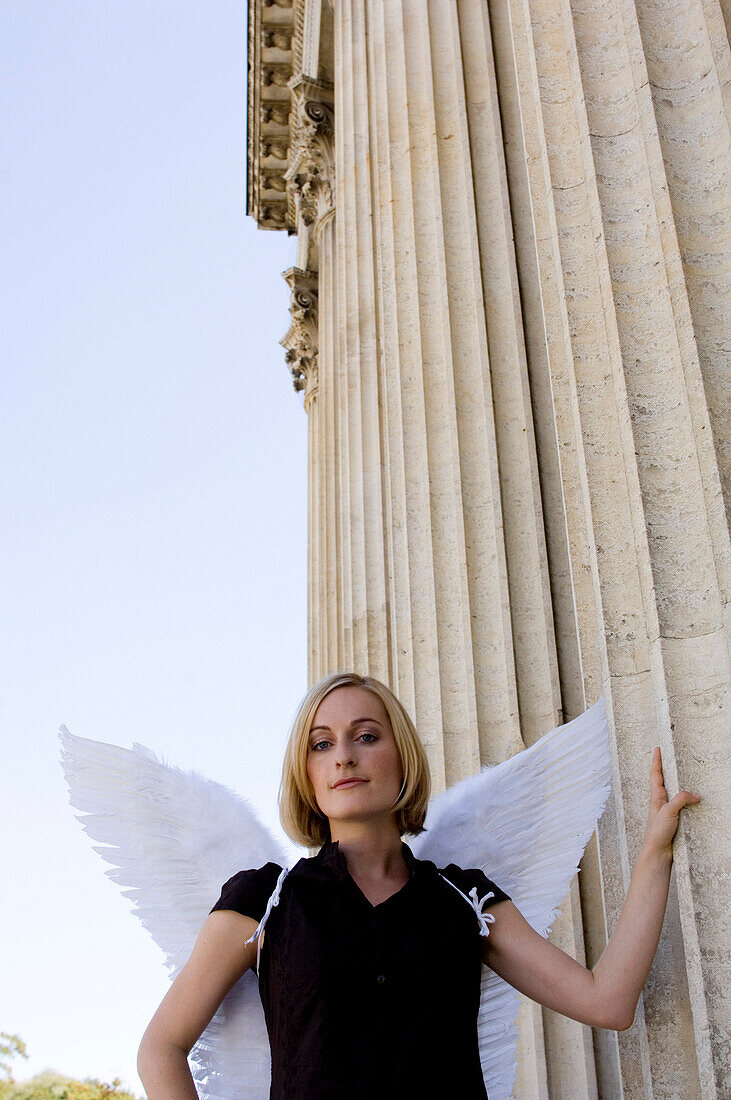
(311, 173)
(300, 340)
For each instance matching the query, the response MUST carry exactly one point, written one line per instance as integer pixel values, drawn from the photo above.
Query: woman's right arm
(218, 959)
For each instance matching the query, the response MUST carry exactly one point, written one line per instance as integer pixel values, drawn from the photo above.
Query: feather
(172, 838)
(525, 824)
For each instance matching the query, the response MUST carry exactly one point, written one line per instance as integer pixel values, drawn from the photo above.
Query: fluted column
(362, 506)
(678, 484)
(313, 355)
(448, 553)
(569, 373)
(681, 48)
(510, 319)
(301, 343)
(609, 336)
(431, 244)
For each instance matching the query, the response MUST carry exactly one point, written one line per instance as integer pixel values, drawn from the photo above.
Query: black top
(361, 1000)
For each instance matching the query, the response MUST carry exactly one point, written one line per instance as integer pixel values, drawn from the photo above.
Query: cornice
(271, 58)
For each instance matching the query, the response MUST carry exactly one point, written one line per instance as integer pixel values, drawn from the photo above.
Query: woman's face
(351, 737)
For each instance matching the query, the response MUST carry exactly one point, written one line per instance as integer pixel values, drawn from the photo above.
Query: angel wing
(525, 824)
(173, 837)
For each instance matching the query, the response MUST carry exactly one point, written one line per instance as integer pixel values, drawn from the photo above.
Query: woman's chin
(364, 815)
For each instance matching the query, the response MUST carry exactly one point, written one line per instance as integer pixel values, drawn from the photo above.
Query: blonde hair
(302, 819)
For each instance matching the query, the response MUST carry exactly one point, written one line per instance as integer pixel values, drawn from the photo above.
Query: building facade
(510, 325)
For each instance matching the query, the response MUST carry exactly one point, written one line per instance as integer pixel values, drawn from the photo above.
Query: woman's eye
(320, 745)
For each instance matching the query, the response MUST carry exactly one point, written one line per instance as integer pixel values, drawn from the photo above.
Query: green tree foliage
(53, 1086)
(50, 1085)
(10, 1045)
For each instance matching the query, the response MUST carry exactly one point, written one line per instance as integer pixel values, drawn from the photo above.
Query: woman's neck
(373, 853)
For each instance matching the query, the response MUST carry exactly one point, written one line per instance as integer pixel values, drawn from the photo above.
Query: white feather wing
(173, 838)
(525, 824)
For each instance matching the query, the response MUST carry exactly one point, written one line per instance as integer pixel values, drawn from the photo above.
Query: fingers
(656, 765)
(683, 798)
(659, 795)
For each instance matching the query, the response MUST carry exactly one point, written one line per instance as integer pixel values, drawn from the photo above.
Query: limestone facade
(510, 322)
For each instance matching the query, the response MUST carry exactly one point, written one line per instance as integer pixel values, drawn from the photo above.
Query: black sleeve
(467, 877)
(247, 892)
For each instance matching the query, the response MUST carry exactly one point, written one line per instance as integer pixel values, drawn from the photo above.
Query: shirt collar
(331, 856)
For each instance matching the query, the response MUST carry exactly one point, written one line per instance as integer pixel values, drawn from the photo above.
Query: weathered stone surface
(513, 218)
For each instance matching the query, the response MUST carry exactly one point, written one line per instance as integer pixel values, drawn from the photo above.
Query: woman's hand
(662, 821)
(607, 995)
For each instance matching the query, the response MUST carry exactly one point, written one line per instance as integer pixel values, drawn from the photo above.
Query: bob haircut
(299, 813)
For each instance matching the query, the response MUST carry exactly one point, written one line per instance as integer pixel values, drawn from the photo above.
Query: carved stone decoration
(276, 112)
(276, 73)
(301, 341)
(273, 214)
(271, 46)
(274, 147)
(311, 172)
(278, 38)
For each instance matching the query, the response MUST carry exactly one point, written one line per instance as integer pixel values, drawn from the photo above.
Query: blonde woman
(369, 960)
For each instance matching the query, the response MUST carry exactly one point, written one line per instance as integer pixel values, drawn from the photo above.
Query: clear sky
(152, 478)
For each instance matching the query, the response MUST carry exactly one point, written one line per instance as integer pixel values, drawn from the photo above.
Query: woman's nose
(345, 755)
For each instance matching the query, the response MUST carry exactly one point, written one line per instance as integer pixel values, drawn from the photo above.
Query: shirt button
(381, 978)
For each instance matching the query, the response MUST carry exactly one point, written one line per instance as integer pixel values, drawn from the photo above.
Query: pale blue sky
(152, 477)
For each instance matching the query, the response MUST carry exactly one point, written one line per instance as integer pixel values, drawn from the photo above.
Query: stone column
(610, 338)
(301, 344)
(499, 614)
(443, 488)
(365, 572)
(418, 147)
(511, 338)
(310, 180)
(682, 50)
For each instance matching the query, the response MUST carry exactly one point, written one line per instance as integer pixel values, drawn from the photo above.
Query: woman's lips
(350, 783)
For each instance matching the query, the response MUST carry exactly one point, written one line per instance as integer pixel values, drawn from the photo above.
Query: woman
(371, 977)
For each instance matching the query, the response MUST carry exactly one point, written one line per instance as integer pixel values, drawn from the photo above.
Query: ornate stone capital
(311, 172)
(301, 340)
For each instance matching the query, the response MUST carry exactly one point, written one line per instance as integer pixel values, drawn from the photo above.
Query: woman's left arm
(607, 995)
